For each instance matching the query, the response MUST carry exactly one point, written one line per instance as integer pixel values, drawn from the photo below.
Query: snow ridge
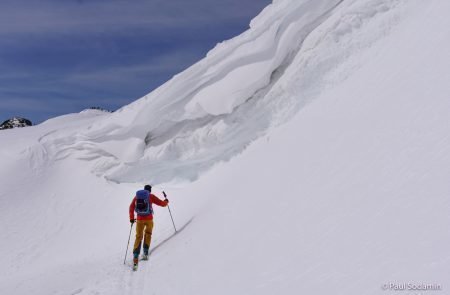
(213, 110)
(349, 195)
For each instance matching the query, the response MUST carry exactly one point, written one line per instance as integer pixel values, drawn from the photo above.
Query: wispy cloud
(101, 16)
(172, 62)
(24, 105)
(59, 56)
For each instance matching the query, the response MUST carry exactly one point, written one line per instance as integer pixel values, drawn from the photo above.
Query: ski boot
(135, 264)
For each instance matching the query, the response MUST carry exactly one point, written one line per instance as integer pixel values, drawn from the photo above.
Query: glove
(132, 221)
(167, 201)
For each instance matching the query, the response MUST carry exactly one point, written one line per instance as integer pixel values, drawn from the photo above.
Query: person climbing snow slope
(142, 204)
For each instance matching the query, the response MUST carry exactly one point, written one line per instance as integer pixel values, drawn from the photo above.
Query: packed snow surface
(310, 155)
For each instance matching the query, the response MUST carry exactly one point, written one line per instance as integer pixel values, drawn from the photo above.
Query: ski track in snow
(206, 115)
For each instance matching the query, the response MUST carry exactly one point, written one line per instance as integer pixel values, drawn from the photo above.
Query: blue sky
(62, 56)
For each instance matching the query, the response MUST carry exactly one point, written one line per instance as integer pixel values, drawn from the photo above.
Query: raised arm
(158, 201)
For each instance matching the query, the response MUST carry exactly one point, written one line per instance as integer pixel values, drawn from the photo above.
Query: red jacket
(154, 200)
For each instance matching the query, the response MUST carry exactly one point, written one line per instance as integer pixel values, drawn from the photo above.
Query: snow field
(349, 195)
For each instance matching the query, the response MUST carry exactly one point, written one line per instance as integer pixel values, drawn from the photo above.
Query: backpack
(143, 204)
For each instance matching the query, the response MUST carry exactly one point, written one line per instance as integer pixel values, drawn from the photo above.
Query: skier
(142, 204)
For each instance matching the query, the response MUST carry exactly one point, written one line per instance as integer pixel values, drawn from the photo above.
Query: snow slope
(206, 114)
(349, 195)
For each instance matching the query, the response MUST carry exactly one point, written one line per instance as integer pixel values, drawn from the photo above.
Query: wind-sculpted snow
(349, 197)
(213, 110)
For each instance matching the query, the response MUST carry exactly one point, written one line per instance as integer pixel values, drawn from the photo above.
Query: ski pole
(168, 207)
(128, 243)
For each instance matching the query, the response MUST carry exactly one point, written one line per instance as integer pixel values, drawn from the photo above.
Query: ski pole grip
(164, 193)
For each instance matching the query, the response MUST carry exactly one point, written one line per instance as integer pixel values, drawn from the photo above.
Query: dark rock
(15, 122)
(100, 109)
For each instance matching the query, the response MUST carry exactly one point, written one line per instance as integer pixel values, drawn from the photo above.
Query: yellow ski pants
(144, 230)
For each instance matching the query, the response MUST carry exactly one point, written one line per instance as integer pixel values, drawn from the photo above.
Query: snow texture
(309, 155)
